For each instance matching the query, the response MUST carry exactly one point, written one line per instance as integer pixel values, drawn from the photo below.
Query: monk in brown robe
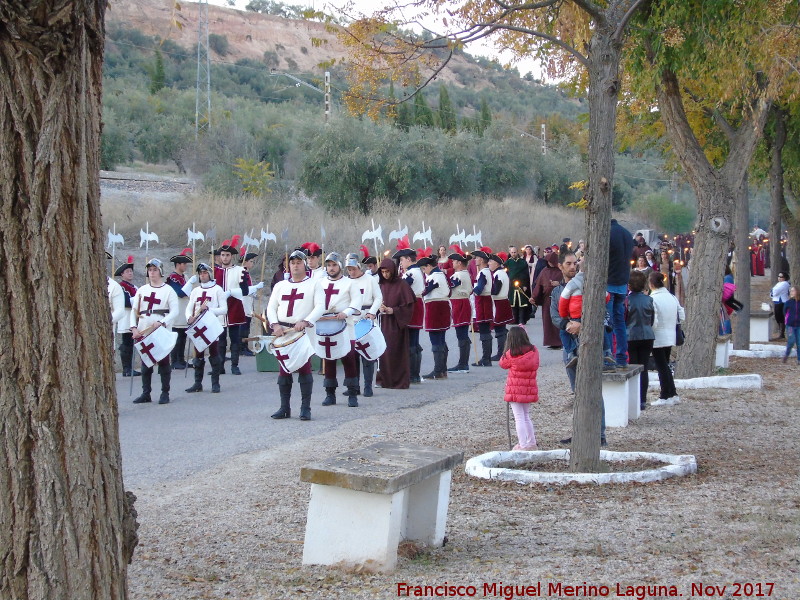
(396, 311)
(549, 278)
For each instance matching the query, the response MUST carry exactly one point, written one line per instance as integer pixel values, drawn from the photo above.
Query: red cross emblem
(281, 357)
(203, 297)
(145, 349)
(198, 333)
(362, 347)
(329, 291)
(152, 299)
(290, 298)
(328, 344)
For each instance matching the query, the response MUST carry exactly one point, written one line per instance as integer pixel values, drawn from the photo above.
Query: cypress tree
(157, 77)
(486, 116)
(423, 115)
(447, 114)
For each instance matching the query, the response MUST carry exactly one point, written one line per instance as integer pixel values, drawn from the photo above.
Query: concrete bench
(621, 395)
(723, 352)
(365, 502)
(759, 325)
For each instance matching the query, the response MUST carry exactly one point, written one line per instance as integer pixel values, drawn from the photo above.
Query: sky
(369, 6)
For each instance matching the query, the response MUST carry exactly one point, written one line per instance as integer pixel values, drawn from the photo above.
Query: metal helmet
(351, 260)
(154, 262)
(334, 257)
(299, 253)
(204, 267)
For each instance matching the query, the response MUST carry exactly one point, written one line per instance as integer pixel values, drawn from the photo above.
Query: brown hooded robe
(393, 366)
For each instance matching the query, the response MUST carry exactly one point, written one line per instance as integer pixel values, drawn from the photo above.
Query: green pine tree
(423, 115)
(447, 114)
(157, 76)
(486, 116)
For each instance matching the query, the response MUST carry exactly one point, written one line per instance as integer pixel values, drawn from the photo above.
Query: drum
(370, 342)
(333, 339)
(292, 349)
(155, 345)
(204, 331)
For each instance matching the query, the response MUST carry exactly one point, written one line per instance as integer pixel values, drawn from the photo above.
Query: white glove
(254, 288)
(187, 288)
(193, 279)
(226, 294)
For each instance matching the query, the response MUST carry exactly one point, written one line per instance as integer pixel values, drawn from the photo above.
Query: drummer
(336, 298)
(371, 299)
(290, 304)
(155, 304)
(208, 295)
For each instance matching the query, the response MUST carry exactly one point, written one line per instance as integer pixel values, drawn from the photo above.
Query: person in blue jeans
(620, 248)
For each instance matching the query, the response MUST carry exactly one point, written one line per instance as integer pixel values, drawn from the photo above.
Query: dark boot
(216, 367)
(330, 386)
(486, 346)
(306, 387)
(223, 348)
(500, 335)
(199, 366)
(415, 362)
(126, 358)
(285, 391)
(439, 364)
(177, 354)
(463, 357)
(352, 391)
(235, 358)
(369, 371)
(147, 378)
(165, 372)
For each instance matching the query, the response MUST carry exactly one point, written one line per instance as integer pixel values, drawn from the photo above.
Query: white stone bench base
(723, 354)
(363, 529)
(759, 326)
(621, 396)
(731, 382)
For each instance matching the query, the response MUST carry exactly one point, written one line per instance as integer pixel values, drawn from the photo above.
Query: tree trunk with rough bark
(68, 529)
(741, 325)
(604, 59)
(715, 190)
(776, 196)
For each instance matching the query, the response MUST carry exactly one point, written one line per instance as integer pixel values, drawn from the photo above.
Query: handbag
(679, 336)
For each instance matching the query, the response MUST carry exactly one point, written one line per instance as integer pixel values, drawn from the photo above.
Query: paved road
(198, 431)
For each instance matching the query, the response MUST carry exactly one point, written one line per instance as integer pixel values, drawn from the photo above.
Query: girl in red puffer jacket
(521, 358)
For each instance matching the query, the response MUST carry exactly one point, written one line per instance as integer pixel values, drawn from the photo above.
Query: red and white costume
(460, 291)
(153, 304)
(415, 278)
(230, 280)
(483, 296)
(502, 307)
(436, 297)
(129, 292)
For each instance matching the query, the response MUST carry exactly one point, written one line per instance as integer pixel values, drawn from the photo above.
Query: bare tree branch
(619, 32)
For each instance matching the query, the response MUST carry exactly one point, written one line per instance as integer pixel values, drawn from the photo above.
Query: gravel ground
(236, 531)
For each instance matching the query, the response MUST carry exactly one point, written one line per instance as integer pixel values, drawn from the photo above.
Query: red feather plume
(130, 259)
(305, 245)
(458, 249)
(402, 243)
(226, 243)
(486, 249)
(242, 249)
(503, 255)
(364, 251)
(235, 240)
(186, 252)
(312, 247)
(426, 252)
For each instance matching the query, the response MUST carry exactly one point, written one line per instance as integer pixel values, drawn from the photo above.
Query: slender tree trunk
(793, 239)
(776, 192)
(715, 190)
(741, 331)
(67, 527)
(604, 58)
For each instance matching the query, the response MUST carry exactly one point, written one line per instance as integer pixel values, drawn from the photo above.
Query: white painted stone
(723, 353)
(763, 351)
(751, 381)
(621, 396)
(486, 466)
(759, 326)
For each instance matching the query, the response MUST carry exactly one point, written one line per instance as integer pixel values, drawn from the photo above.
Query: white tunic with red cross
(230, 280)
(371, 296)
(336, 296)
(153, 304)
(214, 298)
(291, 301)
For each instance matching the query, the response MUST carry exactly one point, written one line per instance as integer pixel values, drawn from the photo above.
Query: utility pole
(202, 103)
(544, 139)
(327, 95)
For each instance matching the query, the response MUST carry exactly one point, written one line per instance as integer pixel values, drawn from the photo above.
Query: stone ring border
(485, 466)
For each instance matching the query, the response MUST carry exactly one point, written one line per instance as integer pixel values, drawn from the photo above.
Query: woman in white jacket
(667, 311)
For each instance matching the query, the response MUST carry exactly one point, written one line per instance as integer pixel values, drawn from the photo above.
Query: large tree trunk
(604, 58)
(715, 190)
(66, 527)
(793, 239)
(776, 196)
(741, 331)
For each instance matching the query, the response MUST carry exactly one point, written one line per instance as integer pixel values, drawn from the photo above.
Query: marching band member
(370, 263)
(483, 304)
(289, 307)
(234, 279)
(248, 260)
(207, 295)
(371, 299)
(315, 265)
(125, 273)
(436, 297)
(176, 281)
(460, 291)
(335, 294)
(412, 275)
(155, 303)
(502, 314)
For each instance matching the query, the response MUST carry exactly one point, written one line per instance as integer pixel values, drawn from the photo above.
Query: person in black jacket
(620, 246)
(641, 315)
